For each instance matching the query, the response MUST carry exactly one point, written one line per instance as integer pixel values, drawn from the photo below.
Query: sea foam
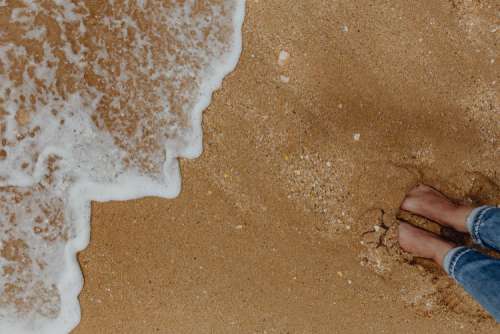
(98, 100)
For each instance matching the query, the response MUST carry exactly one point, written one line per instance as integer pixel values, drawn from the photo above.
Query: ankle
(461, 214)
(441, 250)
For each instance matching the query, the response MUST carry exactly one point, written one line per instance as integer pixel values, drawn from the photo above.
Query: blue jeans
(477, 273)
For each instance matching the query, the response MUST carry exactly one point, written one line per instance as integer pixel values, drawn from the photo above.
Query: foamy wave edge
(127, 187)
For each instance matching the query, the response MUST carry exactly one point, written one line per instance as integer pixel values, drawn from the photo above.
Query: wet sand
(286, 223)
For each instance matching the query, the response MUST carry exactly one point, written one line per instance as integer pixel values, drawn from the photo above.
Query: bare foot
(430, 203)
(423, 244)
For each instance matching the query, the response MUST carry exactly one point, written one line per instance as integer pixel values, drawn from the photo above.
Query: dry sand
(286, 223)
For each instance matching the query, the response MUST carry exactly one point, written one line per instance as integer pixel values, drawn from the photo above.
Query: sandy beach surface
(286, 223)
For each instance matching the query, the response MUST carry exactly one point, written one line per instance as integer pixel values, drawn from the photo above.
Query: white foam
(95, 118)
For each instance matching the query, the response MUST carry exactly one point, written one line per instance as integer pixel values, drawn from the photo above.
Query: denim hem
(451, 258)
(475, 221)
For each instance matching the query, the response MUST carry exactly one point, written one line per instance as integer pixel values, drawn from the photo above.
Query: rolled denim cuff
(474, 222)
(451, 258)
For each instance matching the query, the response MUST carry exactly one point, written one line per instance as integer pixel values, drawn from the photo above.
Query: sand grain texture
(286, 224)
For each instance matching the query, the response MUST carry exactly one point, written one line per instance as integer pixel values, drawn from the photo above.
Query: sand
(286, 224)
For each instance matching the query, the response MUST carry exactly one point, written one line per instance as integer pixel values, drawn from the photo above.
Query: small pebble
(284, 79)
(283, 58)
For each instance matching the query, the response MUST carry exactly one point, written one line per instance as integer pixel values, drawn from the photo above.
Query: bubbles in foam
(97, 101)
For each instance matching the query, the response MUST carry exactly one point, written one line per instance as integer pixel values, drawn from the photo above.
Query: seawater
(98, 100)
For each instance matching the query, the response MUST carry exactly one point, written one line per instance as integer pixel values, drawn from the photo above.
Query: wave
(98, 100)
